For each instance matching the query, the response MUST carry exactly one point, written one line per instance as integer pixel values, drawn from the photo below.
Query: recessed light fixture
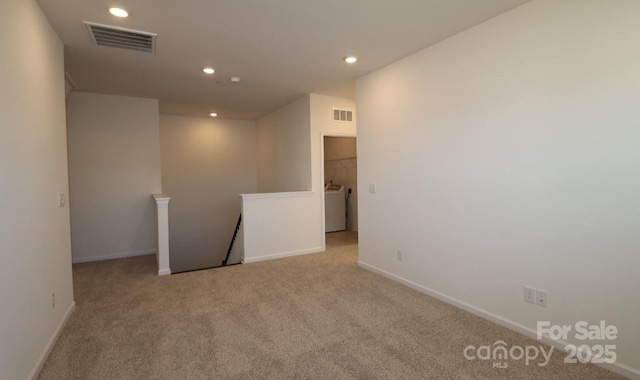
(118, 12)
(209, 70)
(350, 59)
(213, 114)
(235, 79)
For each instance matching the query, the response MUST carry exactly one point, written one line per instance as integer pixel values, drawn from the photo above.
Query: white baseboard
(164, 272)
(618, 368)
(113, 256)
(52, 342)
(282, 255)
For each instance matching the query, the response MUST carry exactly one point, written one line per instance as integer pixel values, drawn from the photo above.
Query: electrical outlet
(529, 294)
(53, 300)
(541, 297)
(372, 188)
(400, 255)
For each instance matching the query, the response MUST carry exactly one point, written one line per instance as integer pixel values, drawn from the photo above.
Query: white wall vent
(113, 36)
(344, 116)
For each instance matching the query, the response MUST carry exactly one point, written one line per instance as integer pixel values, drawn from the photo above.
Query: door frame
(324, 134)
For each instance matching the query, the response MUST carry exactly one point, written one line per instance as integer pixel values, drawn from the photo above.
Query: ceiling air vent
(112, 36)
(344, 116)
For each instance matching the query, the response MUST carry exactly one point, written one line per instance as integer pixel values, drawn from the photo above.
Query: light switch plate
(62, 200)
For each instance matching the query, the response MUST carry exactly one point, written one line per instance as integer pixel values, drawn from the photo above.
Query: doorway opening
(340, 173)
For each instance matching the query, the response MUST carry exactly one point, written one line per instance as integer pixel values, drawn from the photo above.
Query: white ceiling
(281, 49)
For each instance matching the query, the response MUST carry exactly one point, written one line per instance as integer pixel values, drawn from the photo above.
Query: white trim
(161, 198)
(52, 342)
(290, 194)
(282, 255)
(78, 260)
(324, 134)
(337, 134)
(162, 254)
(618, 368)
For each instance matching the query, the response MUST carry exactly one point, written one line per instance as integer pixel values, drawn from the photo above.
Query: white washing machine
(334, 208)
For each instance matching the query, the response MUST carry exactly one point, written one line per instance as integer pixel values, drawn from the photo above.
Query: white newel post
(162, 201)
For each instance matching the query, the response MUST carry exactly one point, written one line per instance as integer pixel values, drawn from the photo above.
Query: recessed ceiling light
(350, 59)
(235, 79)
(118, 12)
(209, 70)
(213, 114)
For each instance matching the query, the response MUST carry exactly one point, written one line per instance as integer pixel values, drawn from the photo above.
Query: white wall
(114, 167)
(278, 225)
(322, 124)
(340, 166)
(283, 149)
(34, 237)
(206, 163)
(286, 224)
(508, 156)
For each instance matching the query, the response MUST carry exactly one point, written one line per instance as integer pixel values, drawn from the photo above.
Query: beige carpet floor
(316, 316)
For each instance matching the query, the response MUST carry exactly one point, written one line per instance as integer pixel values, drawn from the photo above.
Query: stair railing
(233, 240)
